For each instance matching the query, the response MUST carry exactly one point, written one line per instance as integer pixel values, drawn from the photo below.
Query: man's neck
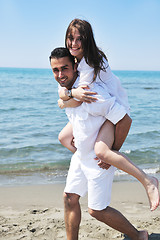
(73, 81)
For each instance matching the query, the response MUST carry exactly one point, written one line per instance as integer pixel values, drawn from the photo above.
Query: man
(84, 173)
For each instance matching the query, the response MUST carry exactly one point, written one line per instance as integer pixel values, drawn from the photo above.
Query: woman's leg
(121, 131)
(66, 137)
(103, 151)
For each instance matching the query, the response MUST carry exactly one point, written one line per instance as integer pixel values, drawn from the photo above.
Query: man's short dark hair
(60, 53)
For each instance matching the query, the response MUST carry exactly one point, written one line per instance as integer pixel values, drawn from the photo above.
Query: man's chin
(63, 84)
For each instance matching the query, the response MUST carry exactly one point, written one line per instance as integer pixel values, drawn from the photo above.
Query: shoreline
(49, 177)
(36, 212)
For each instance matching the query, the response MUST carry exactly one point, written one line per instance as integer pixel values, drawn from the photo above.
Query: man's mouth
(63, 80)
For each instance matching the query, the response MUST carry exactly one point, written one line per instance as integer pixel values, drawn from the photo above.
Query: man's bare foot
(152, 189)
(143, 235)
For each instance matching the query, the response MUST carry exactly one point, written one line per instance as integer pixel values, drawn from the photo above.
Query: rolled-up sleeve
(107, 107)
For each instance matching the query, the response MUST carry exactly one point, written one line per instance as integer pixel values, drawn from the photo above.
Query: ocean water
(30, 121)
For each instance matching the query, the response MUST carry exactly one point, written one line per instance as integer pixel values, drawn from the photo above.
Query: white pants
(98, 188)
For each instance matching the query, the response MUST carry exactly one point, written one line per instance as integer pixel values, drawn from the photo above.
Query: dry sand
(36, 213)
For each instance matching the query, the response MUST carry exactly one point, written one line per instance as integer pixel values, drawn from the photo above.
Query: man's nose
(60, 75)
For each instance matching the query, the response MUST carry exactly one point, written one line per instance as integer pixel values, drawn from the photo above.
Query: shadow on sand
(155, 236)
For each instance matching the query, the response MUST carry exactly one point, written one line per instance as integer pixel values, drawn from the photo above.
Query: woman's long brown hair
(92, 54)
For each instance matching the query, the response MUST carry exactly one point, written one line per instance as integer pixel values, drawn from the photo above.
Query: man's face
(64, 72)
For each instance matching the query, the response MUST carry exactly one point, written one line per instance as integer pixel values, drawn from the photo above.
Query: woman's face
(74, 44)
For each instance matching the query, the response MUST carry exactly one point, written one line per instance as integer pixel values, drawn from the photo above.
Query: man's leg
(99, 194)
(117, 221)
(72, 215)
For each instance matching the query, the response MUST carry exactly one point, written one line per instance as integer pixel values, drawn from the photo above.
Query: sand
(36, 213)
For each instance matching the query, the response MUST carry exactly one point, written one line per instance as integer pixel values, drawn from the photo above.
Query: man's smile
(62, 80)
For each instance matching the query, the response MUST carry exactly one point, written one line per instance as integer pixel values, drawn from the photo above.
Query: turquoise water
(30, 121)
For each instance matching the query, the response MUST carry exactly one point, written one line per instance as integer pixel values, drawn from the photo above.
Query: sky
(128, 31)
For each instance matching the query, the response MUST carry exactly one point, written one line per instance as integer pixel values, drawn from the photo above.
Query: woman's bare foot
(143, 235)
(152, 189)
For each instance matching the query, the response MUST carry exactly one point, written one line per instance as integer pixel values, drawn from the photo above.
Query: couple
(84, 174)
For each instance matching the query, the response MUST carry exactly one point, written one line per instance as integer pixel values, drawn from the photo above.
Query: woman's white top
(106, 78)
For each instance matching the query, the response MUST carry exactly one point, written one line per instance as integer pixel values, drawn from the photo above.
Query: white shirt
(107, 79)
(86, 121)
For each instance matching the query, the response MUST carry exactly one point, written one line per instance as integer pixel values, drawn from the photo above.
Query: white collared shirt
(87, 120)
(107, 79)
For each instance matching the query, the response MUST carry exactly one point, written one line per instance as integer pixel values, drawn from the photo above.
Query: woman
(93, 66)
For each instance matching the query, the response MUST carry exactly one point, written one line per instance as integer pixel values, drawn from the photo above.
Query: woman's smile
(74, 44)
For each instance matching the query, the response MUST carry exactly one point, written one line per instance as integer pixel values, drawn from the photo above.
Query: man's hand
(102, 164)
(61, 103)
(82, 94)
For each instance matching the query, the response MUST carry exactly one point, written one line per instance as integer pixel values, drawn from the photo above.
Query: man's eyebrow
(61, 66)
(65, 66)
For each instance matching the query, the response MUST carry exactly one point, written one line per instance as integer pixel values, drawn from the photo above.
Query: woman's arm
(66, 101)
(81, 93)
(69, 103)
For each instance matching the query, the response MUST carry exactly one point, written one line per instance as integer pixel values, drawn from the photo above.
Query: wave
(144, 134)
(151, 88)
(149, 171)
(18, 170)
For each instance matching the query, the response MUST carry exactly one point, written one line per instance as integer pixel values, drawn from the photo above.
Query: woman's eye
(70, 38)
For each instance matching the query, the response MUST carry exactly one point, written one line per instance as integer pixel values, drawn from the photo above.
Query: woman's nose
(74, 42)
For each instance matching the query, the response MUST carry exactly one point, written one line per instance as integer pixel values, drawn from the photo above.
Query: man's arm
(121, 131)
(63, 94)
(66, 101)
(81, 93)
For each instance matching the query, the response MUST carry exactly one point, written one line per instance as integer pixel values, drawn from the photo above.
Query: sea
(30, 121)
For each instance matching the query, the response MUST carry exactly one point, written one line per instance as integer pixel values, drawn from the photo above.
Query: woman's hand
(71, 103)
(82, 94)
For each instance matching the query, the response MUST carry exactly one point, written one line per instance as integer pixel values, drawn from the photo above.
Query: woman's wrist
(69, 93)
(72, 92)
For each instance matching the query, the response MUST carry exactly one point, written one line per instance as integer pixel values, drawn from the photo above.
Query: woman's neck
(79, 59)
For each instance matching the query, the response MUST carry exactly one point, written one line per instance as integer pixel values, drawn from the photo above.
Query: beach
(34, 165)
(36, 212)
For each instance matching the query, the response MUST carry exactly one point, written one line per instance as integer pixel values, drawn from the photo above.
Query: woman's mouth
(75, 49)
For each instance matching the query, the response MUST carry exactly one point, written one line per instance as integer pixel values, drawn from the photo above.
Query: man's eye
(64, 69)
